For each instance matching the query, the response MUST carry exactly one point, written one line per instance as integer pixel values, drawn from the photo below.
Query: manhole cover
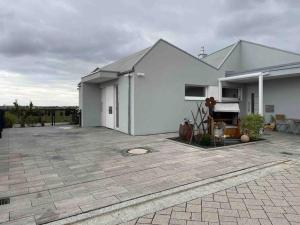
(138, 151)
(4, 201)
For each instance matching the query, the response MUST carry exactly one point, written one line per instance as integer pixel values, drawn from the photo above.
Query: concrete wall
(159, 96)
(91, 98)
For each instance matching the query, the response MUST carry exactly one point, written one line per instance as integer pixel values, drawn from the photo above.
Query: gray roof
(216, 58)
(124, 64)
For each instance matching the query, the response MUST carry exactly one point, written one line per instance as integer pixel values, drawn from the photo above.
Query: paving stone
(220, 198)
(228, 212)
(181, 215)
(265, 222)
(22, 221)
(206, 204)
(193, 208)
(150, 216)
(4, 217)
(244, 213)
(161, 219)
(225, 205)
(144, 220)
(238, 205)
(195, 201)
(210, 216)
(190, 222)
(279, 221)
(177, 222)
(293, 217)
(257, 214)
(247, 221)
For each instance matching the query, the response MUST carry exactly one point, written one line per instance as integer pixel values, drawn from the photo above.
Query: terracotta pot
(245, 138)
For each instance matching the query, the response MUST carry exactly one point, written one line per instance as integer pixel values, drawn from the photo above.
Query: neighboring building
(153, 90)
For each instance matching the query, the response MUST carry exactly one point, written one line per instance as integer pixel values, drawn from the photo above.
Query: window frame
(238, 98)
(195, 98)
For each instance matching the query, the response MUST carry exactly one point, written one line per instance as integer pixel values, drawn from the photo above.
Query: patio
(53, 173)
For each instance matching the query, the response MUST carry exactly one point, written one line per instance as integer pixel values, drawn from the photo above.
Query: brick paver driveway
(271, 200)
(54, 173)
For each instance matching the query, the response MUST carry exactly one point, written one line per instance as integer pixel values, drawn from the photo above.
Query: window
(231, 93)
(194, 92)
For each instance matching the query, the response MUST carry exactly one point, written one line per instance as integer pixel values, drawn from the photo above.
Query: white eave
(100, 76)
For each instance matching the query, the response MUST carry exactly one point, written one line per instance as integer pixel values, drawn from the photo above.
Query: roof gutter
(244, 76)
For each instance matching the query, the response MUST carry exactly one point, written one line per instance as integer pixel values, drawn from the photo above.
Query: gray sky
(47, 45)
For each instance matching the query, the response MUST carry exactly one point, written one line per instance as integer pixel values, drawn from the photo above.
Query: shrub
(205, 140)
(31, 121)
(252, 125)
(9, 119)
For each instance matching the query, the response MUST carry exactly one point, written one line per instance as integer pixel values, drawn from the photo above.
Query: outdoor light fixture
(140, 74)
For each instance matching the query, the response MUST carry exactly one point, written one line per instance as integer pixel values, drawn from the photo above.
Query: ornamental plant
(252, 125)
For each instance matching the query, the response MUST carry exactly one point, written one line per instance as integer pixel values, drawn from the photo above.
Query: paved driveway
(53, 173)
(271, 200)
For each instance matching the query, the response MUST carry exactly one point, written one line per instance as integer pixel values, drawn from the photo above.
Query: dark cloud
(58, 41)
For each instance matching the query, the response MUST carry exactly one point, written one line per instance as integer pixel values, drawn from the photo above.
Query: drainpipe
(129, 103)
(261, 94)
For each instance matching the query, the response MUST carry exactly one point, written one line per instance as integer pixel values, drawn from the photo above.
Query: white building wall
(91, 98)
(159, 96)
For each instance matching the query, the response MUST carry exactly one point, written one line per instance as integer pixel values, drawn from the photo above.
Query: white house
(152, 90)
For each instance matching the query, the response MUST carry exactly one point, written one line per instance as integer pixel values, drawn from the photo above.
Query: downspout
(129, 104)
(129, 99)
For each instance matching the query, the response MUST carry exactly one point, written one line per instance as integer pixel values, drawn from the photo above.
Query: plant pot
(245, 138)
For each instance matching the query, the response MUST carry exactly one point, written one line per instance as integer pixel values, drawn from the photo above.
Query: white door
(109, 107)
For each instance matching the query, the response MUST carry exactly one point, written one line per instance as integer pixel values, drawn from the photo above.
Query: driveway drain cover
(4, 201)
(138, 151)
(286, 153)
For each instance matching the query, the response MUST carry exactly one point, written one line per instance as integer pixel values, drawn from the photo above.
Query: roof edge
(228, 54)
(270, 47)
(174, 46)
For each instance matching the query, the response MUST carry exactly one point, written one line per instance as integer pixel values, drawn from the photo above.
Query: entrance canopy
(100, 76)
(259, 75)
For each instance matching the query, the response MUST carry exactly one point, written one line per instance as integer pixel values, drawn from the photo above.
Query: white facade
(151, 91)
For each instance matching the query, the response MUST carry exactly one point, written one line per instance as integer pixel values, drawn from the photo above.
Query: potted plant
(245, 137)
(252, 125)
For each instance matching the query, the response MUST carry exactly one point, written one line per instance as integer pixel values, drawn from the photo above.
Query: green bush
(252, 125)
(9, 119)
(31, 121)
(205, 140)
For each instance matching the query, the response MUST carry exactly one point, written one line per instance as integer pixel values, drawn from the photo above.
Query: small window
(193, 92)
(230, 92)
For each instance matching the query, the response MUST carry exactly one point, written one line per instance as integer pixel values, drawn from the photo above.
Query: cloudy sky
(47, 45)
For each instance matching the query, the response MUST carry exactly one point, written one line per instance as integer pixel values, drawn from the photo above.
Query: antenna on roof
(202, 53)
